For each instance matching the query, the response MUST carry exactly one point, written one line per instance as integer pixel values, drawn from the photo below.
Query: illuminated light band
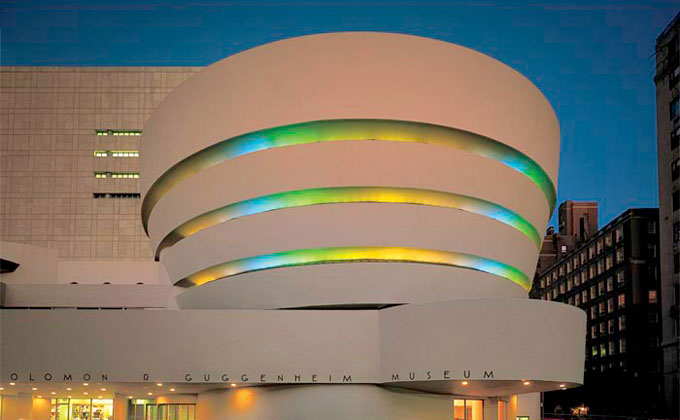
(301, 257)
(335, 195)
(344, 130)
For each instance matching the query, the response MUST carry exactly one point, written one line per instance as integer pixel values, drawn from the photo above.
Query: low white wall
(327, 402)
(88, 295)
(495, 343)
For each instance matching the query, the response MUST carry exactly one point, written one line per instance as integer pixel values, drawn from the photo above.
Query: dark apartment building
(613, 275)
(668, 139)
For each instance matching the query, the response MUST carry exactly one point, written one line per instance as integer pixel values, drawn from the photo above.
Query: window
(676, 200)
(600, 310)
(675, 169)
(117, 175)
(651, 226)
(603, 328)
(593, 331)
(676, 233)
(610, 284)
(600, 288)
(610, 329)
(651, 250)
(125, 153)
(118, 132)
(618, 234)
(584, 296)
(610, 305)
(612, 345)
(576, 280)
(591, 252)
(620, 278)
(622, 301)
(600, 245)
(575, 262)
(674, 108)
(593, 312)
(608, 261)
(652, 296)
(619, 255)
(593, 291)
(583, 257)
(600, 266)
(622, 323)
(653, 317)
(622, 345)
(115, 195)
(608, 240)
(569, 284)
(101, 153)
(570, 300)
(467, 409)
(577, 300)
(675, 139)
(591, 270)
(603, 350)
(593, 351)
(561, 287)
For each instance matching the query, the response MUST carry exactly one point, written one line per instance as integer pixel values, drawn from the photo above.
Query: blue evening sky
(593, 60)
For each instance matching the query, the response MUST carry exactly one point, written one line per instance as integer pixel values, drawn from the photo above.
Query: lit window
(603, 328)
(622, 345)
(603, 350)
(593, 312)
(600, 288)
(610, 284)
(611, 348)
(622, 301)
(608, 262)
(101, 153)
(619, 255)
(593, 351)
(652, 296)
(620, 278)
(607, 240)
(593, 331)
(584, 296)
(622, 323)
(610, 305)
(578, 300)
(100, 175)
(618, 234)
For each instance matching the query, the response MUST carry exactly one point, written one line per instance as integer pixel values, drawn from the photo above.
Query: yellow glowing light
(84, 393)
(526, 383)
(347, 130)
(150, 393)
(159, 384)
(172, 389)
(12, 383)
(300, 257)
(53, 393)
(242, 399)
(68, 389)
(233, 385)
(464, 383)
(103, 389)
(362, 194)
(85, 383)
(34, 389)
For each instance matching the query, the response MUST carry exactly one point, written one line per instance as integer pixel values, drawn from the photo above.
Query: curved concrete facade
(362, 170)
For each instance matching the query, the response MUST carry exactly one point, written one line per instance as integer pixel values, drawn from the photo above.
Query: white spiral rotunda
(368, 172)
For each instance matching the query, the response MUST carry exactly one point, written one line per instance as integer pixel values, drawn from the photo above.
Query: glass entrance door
(468, 409)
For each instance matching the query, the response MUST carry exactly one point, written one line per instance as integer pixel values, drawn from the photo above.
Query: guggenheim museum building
(335, 226)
